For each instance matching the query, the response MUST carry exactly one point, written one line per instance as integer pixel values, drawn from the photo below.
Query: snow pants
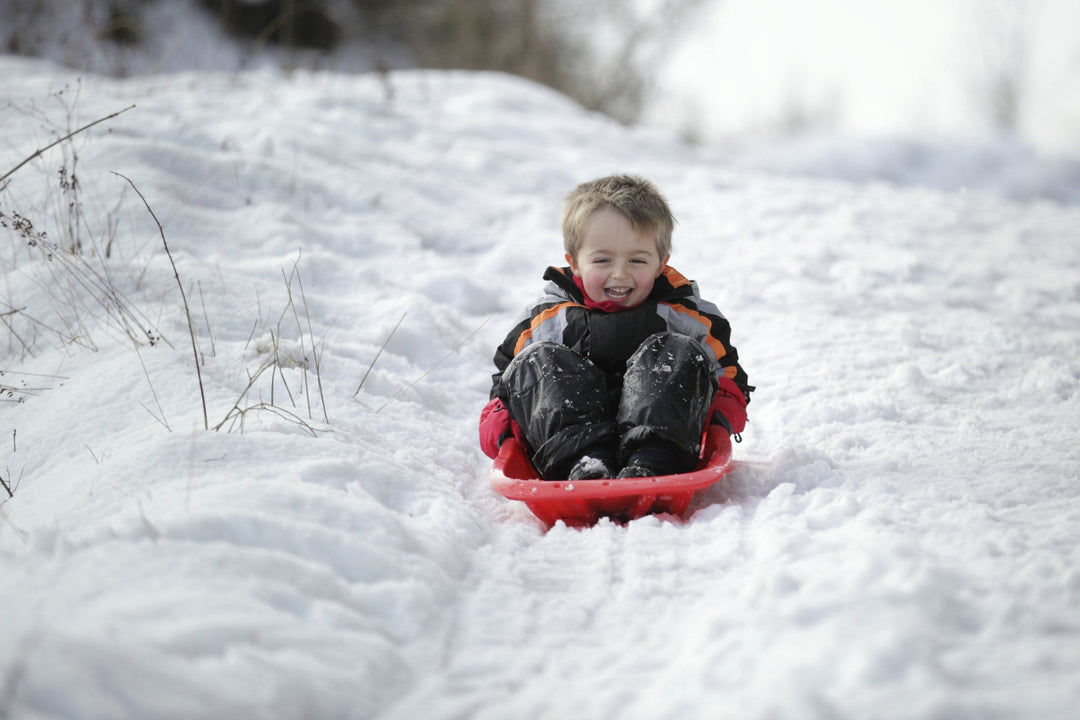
(567, 407)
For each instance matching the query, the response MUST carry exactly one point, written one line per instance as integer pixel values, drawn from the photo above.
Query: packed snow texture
(900, 538)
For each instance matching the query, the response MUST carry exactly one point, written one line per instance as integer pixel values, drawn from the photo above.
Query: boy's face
(616, 263)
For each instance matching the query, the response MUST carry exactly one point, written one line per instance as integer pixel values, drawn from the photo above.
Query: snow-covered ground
(901, 537)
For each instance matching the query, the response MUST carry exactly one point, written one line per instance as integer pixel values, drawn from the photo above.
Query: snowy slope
(900, 539)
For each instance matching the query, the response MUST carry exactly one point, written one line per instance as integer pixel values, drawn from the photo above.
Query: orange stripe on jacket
(714, 344)
(539, 320)
(676, 278)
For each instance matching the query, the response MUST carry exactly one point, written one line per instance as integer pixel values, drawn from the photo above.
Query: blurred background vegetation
(598, 52)
(989, 83)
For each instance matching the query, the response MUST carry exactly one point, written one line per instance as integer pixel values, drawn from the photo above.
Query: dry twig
(431, 369)
(381, 348)
(38, 153)
(183, 296)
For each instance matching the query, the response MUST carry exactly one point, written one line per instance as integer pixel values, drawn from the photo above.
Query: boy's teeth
(618, 293)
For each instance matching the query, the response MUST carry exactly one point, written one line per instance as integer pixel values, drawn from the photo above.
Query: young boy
(617, 369)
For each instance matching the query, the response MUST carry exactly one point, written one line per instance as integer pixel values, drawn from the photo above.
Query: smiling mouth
(618, 294)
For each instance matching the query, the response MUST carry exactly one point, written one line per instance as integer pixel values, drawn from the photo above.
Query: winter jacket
(608, 336)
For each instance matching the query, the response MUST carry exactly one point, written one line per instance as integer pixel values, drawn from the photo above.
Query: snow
(900, 538)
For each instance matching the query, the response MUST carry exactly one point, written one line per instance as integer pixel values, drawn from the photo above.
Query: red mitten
(494, 427)
(728, 407)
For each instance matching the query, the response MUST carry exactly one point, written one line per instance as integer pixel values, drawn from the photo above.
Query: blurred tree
(618, 47)
(71, 32)
(602, 53)
(293, 23)
(513, 36)
(1004, 48)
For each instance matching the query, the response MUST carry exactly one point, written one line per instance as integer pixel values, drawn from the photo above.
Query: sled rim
(582, 502)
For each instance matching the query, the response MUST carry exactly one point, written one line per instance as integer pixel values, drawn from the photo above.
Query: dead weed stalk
(183, 296)
(278, 359)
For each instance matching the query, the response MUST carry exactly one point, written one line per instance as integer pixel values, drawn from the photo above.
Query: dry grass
(270, 374)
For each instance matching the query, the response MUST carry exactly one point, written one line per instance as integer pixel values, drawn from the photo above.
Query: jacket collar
(671, 285)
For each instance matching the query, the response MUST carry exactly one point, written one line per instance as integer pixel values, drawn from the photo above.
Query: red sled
(581, 503)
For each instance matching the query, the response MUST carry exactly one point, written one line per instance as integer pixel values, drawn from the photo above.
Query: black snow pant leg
(667, 390)
(560, 400)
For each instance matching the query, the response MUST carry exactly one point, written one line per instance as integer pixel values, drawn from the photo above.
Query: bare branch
(183, 296)
(38, 153)
(381, 348)
(446, 357)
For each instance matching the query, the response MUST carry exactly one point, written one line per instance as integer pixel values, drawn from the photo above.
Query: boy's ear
(663, 266)
(570, 260)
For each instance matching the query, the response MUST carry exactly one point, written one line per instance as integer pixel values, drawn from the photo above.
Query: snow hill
(900, 539)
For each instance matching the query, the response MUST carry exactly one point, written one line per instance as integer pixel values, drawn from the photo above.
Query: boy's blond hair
(633, 197)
